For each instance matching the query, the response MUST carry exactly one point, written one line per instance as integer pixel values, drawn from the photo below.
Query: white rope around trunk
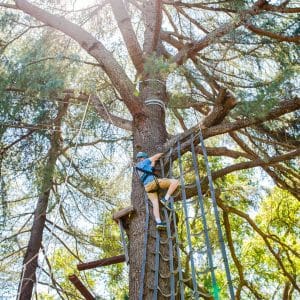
(155, 101)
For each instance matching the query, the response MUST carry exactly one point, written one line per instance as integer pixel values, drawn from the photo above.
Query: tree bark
(30, 262)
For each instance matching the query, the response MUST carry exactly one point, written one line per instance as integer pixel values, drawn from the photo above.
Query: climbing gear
(142, 155)
(161, 226)
(146, 175)
(166, 203)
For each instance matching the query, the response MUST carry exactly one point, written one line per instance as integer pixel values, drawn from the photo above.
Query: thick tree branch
(128, 33)
(179, 118)
(191, 190)
(281, 9)
(276, 36)
(222, 151)
(282, 108)
(108, 117)
(224, 103)
(8, 6)
(152, 10)
(256, 163)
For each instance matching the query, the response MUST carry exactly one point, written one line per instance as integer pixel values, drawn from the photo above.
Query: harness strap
(145, 175)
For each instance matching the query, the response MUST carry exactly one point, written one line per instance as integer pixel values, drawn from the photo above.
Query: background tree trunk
(30, 262)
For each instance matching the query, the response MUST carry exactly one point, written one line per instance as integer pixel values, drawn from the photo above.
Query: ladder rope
(176, 235)
(216, 212)
(183, 193)
(141, 292)
(156, 274)
(204, 222)
(170, 243)
(167, 295)
(164, 276)
(171, 261)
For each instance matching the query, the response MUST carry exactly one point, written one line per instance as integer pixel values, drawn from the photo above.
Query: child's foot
(161, 226)
(166, 203)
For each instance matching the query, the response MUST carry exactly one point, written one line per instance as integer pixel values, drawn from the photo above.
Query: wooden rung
(80, 287)
(123, 213)
(101, 263)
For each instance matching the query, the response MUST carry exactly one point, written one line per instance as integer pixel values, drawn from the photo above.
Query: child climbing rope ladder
(145, 169)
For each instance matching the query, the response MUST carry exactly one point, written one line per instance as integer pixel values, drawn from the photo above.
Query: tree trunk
(149, 135)
(30, 262)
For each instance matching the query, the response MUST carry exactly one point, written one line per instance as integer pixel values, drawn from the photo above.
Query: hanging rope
(176, 235)
(216, 212)
(156, 265)
(183, 193)
(204, 222)
(170, 242)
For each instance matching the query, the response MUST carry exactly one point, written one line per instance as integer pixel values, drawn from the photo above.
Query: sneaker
(166, 203)
(161, 226)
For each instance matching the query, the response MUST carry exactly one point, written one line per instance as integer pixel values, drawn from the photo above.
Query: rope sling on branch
(173, 241)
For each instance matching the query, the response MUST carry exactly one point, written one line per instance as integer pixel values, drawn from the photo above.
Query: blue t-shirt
(146, 165)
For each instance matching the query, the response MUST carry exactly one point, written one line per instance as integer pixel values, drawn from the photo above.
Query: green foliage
(158, 67)
(64, 265)
(107, 238)
(44, 296)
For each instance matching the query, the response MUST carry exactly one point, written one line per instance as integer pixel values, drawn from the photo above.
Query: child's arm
(155, 157)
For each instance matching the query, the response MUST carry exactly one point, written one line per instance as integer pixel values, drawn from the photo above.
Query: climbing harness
(146, 175)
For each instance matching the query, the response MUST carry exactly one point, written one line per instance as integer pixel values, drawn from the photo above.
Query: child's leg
(170, 184)
(154, 200)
